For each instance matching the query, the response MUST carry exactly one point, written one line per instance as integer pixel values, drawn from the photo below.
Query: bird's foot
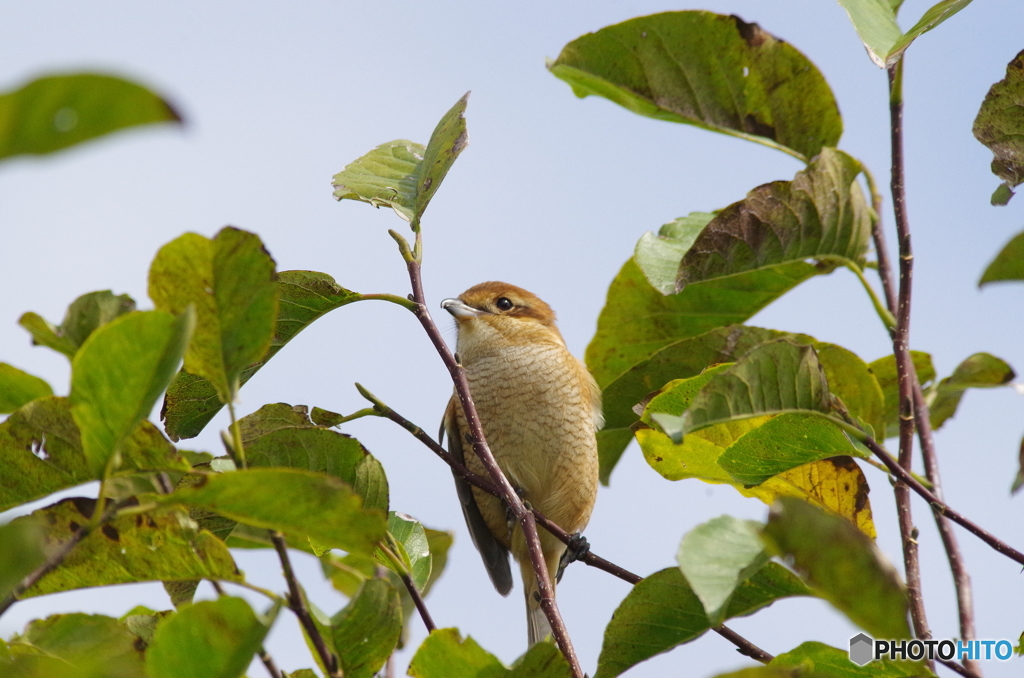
(577, 548)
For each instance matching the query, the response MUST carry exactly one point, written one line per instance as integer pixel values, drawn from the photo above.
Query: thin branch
(901, 350)
(940, 506)
(961, 578)
(417, 598)
(297, 604)
(745, 647)
(962, 670)
(483, 451)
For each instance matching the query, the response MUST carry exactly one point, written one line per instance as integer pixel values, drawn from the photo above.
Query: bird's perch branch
(480, 447)
(744, 646)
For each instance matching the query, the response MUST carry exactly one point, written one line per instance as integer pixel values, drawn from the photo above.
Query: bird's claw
(577, 549)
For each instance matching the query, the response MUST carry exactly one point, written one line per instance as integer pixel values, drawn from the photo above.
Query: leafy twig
(297, 604)
(745, 647)
(483, 451)
(417, 598)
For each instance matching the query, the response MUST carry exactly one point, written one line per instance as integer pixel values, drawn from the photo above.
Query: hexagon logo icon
(861, 646)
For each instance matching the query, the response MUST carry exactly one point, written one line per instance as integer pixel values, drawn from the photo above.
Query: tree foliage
(778, 416)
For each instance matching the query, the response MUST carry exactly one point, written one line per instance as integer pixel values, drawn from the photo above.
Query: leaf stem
(886, 316)
(358, 414)
(297, 604)
(410, 585)
(745, 647)
(393, 298)
(236, 434)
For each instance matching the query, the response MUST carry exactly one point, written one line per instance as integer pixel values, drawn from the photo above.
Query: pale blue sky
(551, 194)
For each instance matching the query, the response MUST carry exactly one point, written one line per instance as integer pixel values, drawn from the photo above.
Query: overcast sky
(552, 194)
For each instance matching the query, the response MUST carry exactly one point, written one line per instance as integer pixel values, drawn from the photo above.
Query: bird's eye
(504, 303)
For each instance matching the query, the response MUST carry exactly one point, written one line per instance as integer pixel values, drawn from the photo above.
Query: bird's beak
(460, 309)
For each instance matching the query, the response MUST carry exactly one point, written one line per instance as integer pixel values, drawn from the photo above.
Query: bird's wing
(494, 555)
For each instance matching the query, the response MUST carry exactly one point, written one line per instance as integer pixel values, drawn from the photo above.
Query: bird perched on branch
(539, 409)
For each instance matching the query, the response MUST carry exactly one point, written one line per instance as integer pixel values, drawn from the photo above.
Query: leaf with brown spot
(164, 545)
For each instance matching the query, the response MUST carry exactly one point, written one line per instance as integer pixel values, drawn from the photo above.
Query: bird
(540, 409)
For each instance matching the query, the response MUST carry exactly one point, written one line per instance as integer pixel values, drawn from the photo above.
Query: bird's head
(496, 314)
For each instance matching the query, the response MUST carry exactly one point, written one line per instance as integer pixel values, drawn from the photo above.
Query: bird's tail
(537, 626)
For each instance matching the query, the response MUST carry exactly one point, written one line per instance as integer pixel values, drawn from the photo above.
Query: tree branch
(961, 578)
(297, 604)
(901, 350)
(940, 506)
(744, 646)
(417, 598)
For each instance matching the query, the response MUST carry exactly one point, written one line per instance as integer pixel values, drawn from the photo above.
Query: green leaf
(710, 70)
(444, 654)
(1000, 126)
(302, 504)
(981, 370)
(41, 452)
(875, 22)
(117, 376)
(658, 256)
(21, 552)
(209, 639)
(85, 314)
(637, 321)
(929, 20)
(1008, 264)
(414, 547)
(842, 565)
(783, 443)
(161, 545)
(446, 143)
(58, 111)
(282, 435)
(778, 377)
(833, 662)
(884, 370)
(681, 359)
(77, 646)
(854, 382)
(304, 296)
(366, 630)
(404, 175)
(387, 176)
(820, 214)
(18, 388)
(230, 281)
(717, 556)
(662, 611)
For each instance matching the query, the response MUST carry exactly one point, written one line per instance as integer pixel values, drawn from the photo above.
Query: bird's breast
(534, 403)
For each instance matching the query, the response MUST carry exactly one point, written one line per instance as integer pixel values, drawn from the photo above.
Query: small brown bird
(540, 409)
